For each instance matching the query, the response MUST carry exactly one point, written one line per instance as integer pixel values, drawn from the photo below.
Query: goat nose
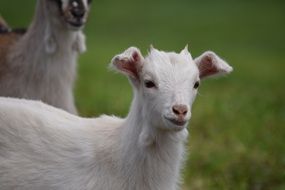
(180, 110)
(78, 13)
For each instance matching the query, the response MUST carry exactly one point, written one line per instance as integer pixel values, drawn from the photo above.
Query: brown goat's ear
(129, 62)
(209, 64)
(4, 27)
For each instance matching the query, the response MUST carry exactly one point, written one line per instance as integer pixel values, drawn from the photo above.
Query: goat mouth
(177, 122)
(75, 24)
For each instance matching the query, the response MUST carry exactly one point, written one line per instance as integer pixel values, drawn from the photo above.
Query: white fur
(42, 64)
(45, 148)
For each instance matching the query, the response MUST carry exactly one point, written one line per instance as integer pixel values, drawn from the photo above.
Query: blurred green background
(237, 132)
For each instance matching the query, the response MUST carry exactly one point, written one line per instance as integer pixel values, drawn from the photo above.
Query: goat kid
(45, 148)
(40, 63)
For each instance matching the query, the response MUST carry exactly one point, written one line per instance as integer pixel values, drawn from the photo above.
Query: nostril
(78, 13)
(175, 110)
(180, 110)
(185, 112)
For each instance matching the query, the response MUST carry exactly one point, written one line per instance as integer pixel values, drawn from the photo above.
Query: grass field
(237, 132)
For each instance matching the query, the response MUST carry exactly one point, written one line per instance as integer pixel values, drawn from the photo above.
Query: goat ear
(79, 44)
(129, 62)
(4, 27)
(209, 64)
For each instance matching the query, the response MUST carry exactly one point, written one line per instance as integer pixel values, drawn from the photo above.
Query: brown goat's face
(74, 12)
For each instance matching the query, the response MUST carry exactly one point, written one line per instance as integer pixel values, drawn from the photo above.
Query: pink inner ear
(207, 67)
(136, 57)
(129, 66)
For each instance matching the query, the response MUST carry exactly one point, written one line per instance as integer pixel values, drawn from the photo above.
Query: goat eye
(149, 84)
(197, 84)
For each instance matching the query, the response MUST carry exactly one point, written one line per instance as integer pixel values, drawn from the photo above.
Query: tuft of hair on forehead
(156, 55)
(185, 52)
(65, 3)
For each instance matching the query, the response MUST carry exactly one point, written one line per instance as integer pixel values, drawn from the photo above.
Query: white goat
(45, 148)
(41, 64)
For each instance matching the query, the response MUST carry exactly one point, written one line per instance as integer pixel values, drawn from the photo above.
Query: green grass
(237, 132)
